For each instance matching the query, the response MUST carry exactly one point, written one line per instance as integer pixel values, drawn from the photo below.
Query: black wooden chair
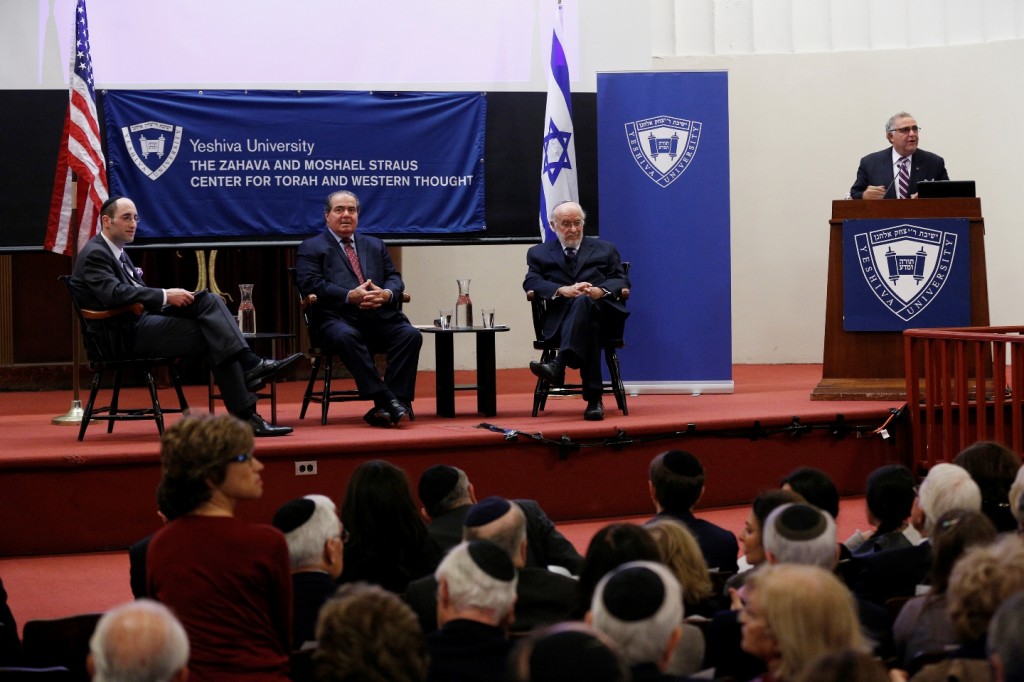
(107, 338)
(60, 642)
(609, 347)
(322, 358)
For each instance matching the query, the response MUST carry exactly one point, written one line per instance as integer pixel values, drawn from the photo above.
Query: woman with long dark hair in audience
(388, 542)
(227, 580)
(993, 466)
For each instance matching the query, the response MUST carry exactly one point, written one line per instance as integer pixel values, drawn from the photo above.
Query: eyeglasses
(344, 536)
(907, 130)
(241, 459)
(566, 224)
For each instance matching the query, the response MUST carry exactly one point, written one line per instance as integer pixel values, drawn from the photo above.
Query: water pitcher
(463, 306)
(246, 310)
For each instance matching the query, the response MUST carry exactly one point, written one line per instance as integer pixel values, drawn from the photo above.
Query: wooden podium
(870, 365)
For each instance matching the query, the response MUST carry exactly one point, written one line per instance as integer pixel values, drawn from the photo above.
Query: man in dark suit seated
(676, 485)
(176, 322)
(894, 172)
(582, 279)
(447, 496)
(542, 597)
(358, 292)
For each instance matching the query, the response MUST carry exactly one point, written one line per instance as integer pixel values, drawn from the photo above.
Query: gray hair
(469, 586)
(640, 641)
(458, 494)
(507, 532)
(560, 204)
(1006, 637)
(890, 125)
(947, 487)
(817, 551)
(140, 641)
(306, 543)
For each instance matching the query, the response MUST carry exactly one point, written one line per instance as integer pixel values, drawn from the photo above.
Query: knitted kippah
(487, 510)
(293, 514)
(492, 560)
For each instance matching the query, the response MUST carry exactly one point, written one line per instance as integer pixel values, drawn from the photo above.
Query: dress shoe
(551, 372)
(594, 411)
(396, 410)
(268, 367)
(260, 427)
(377, 416)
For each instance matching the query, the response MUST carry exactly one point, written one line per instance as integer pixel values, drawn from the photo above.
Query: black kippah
(437, 483)
(492, 560)
(487, 510)
(113, 199)
(682, 463)
(633, 594)
(800, 522)
(293, 514)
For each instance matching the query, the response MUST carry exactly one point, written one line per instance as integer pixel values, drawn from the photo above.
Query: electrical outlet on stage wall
(305, 468)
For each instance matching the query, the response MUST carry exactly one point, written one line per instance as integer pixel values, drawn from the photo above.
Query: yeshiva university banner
(232, 164)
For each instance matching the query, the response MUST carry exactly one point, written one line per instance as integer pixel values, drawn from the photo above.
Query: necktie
(128, 269)
(570, 256)
(904, 176)
(353, 259)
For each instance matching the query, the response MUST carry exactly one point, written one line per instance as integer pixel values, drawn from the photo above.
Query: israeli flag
(558, 166)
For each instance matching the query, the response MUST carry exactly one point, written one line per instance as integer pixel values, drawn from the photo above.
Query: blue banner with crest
(259, 164)
(900, 274)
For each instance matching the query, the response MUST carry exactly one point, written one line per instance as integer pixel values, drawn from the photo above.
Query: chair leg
(176, 381)
(314, 370)
(540, 391)
(325, 403)
(158, 414)
(612, 359)
(115, 396)
(97, 378)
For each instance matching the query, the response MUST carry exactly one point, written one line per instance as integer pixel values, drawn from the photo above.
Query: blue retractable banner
(663, 161)
(235, 164)
(904, 275)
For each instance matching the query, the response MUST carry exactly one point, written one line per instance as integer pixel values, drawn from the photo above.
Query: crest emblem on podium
(153, 146)
(906, 266)
(663, 146)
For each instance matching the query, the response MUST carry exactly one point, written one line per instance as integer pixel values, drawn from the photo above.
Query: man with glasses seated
(894, 172)
(582, 279)
(175, 322)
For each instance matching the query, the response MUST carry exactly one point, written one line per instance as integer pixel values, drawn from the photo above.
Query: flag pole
(73, 416)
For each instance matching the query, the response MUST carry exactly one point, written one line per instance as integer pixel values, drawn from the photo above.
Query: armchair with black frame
(107, 335)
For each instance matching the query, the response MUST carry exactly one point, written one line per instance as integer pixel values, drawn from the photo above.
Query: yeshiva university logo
(153, 146)
(906, 266)
(663, 146)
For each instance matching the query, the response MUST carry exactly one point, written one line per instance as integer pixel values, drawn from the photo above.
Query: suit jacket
(545, 546)
(100, 283)
(324, 269)
(542, 598)
(310, 590)
(878, 169)
(890, 573)
(597, 262)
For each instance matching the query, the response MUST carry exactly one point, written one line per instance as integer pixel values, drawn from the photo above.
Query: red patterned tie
(904, 178)
(353, 259)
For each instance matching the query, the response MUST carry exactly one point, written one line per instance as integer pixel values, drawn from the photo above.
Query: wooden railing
(963, 385)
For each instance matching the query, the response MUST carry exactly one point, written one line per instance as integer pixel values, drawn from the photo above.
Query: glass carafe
(246, 310)
(463, 306)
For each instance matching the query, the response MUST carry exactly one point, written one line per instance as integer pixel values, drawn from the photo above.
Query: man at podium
(893, 173)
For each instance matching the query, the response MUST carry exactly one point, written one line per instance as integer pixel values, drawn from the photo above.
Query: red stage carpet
(59, 495)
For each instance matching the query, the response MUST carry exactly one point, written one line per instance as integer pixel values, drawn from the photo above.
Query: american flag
(558, 165)
(80, 153)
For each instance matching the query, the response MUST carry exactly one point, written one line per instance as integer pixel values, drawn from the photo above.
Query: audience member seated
(543, 597)
(137, 550)
(981, 580)
(447, 494)
(676, 486)
(314, 535)
(368, 634)
(612, 546)
(10, 644)
(639, 606)
(140, 640)
(227, 580)
(889, 499)
(795, 614)
(993, 467)
(923, 624)
(475, 595)
(567, 651)
(388, 543)
(897, 572)
(751, 536)
(847, 665)
(681, 553)
(815, 486)
(1005, 644)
